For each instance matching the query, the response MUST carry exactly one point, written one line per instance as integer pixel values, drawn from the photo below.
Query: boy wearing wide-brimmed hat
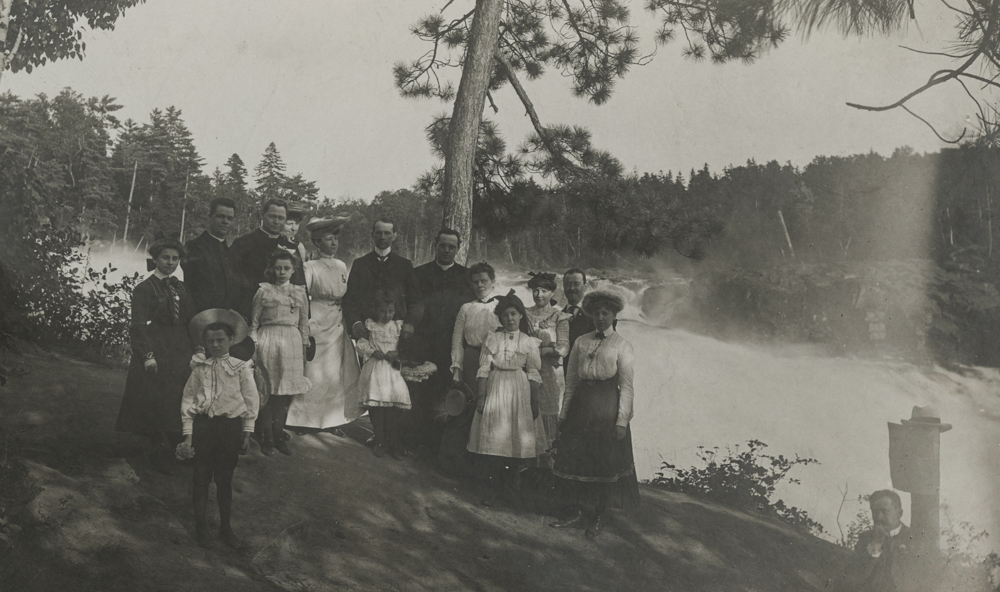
(218, 410)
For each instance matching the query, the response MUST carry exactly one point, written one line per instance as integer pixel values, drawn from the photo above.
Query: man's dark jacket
(444, 292)
(900, 568)
(249, 254)
(369, 275)
(209, 274)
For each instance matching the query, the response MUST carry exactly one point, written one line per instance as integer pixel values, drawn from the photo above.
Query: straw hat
(218, 315)
(321, 224)
(926, 416)
(457, 400)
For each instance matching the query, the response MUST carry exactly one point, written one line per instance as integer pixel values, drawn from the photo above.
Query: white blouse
(219, 387)
(474, 323)
(600, 359)
(510, 351)
(326, 278)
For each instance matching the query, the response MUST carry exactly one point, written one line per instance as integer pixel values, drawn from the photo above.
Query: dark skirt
(152, 402)
(587, 452)
(216, 442)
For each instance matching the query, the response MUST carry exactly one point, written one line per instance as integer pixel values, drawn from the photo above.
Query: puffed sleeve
(187, 402)
(572, 379)
(457, 340)
(562, 334)
(367, 345)
(486, 357)
(303, 304)
(258, 310)
(534, 361)
(626, 361)
(139, 327)
(251, 398)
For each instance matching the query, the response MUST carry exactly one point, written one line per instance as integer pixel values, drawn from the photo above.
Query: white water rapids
(693, 390)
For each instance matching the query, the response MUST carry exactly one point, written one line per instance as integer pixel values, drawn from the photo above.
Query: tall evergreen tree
(270, 175)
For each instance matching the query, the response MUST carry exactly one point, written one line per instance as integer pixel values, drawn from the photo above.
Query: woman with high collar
(332, 399)
(594, 460)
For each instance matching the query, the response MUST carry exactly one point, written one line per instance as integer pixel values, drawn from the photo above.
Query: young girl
(551, 325)
(383, 390)
(280, 332)
(161, 350)
(218, 411)
(508, 381)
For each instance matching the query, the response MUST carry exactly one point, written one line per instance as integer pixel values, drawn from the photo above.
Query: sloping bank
(334, 517)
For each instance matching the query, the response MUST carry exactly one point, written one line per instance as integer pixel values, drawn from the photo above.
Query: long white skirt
(505, 427)
(333, 399)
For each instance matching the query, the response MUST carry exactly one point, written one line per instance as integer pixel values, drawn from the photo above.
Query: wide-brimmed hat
(597, 298)
(926, 416)
(296, 211)
(457, 400)
(321, 224)
(218, 315)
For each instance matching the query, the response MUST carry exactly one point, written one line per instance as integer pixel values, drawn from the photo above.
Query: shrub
(745, 480)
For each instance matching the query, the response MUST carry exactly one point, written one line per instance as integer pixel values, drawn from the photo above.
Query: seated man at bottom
(887, 558)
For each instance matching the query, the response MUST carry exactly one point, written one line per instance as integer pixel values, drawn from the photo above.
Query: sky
(315, 78)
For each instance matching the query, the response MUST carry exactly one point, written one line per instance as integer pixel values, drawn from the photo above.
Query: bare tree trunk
(465, 118)
(187, 179)
(787, 237)
(9, 50)
(128, 208)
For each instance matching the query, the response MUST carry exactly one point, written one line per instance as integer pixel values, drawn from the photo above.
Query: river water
(693, 390)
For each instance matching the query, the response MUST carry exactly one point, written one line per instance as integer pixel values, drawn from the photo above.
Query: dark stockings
(271, 419)
(203, 476)
(386, 423)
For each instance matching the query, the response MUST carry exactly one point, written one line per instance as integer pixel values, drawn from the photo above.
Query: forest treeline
(71, 171)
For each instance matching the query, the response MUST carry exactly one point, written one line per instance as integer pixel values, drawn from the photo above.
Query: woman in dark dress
(594, 452)
(161, 353)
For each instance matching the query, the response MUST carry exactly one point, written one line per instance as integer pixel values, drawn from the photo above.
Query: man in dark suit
(382, 269)
(574, 287)
(887, 558)
(445, 287)
(208, 272)
(249, 252)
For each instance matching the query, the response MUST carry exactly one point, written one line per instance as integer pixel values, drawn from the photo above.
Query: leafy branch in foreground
(745, 480)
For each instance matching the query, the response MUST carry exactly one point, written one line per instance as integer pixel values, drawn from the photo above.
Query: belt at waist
(594, 382)
(327, 300)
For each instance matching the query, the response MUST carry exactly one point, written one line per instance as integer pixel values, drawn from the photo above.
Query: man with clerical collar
(886, 558)
(379, 270)
(208, 272)
(444, 286)
(249, 252)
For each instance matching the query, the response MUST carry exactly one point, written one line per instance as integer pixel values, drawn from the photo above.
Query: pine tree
(270, 175)
(237, 175)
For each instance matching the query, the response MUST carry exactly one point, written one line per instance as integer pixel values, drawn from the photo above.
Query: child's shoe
(282, 447)
(229, 537)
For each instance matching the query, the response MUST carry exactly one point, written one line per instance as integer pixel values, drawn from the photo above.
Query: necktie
(172, 286)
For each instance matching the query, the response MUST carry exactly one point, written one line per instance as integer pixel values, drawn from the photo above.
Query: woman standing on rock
(161, 352)
(332, 399)
(551, 326)
(594, 453)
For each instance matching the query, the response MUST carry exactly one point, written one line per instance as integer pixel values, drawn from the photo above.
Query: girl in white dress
(333, 398)
(503, 429)
(280, 331)
(382, 387)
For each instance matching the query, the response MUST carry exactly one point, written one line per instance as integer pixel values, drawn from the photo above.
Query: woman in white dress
(333, 399)
(551, 326)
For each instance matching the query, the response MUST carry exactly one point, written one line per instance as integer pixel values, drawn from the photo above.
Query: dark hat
(543, 280)
(296, 211)
(218, 315)
(926, 416)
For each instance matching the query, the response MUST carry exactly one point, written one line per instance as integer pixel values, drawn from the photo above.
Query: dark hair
(161, 244)
(219, 327)
(575, 271)
(382, 297)
(384, 220)
(512, 301)
(218, 202)
(274, 257)
(881, 493)
(543, 280)
(483, 267)
(448, 231)
(274, 202)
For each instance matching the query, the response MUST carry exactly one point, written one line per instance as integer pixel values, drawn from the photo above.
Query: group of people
(264, 334)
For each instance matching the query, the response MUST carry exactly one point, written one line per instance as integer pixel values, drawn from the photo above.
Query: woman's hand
(150, 365)
(620, 432)
(480, 404)
(244, 444)
(456, 377)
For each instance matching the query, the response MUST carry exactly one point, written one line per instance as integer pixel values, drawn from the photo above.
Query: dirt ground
(332, 516)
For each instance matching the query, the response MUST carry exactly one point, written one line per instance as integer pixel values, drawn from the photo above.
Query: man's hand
(456, 377)
(245, 444)
(480, 404)
(406, 332)
(150, 365)
(358, 330)
(620, 432)
(879, 536)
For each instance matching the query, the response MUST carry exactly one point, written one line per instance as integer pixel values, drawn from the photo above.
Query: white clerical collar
(221, 240)
(381, 253)
(443, 268)
(269, 235)
(896, 530)
(160, 275)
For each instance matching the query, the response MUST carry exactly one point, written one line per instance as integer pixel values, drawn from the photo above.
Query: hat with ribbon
(926, 416)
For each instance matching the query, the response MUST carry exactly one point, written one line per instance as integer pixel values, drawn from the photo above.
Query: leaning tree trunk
(464, 131)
